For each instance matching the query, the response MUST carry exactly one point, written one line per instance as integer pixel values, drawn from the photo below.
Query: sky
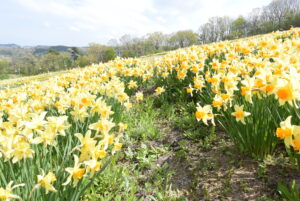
(80, 22)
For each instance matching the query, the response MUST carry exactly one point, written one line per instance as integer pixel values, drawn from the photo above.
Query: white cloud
(46, 24)
(161, 19)
(105, 18)
(126, 16)
(74, 28)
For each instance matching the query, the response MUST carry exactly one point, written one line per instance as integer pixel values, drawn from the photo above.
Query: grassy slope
(11, 80)
(15, 80)
(167, 155)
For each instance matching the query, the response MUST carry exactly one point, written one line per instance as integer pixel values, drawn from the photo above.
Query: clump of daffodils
(289, 133)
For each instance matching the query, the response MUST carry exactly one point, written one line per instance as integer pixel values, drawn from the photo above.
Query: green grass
(142, 172)
(141, 122)
(134, 173)
(4, 76)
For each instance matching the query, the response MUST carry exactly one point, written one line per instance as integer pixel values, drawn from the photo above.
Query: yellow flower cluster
(289, 133)
(261, 66)
(228, 75)
(42, 115)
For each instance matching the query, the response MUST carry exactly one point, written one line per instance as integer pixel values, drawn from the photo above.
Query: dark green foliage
(45, 49)
(289, 194)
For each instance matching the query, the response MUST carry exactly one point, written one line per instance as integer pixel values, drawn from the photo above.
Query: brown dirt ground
(220, 173)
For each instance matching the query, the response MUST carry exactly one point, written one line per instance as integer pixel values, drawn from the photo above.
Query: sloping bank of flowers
(56, 135)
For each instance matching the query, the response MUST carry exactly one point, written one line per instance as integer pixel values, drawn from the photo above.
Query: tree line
(278, 15)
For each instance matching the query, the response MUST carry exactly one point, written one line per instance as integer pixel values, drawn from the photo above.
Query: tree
(100, 53)
(126, 41)
(109, 54)
(4, 66)
(131, 47)
(291, 20)
(216, 29)
(74, 53)
(253, 21)
(28, 65)
(278, 15)
(53, 51)
(64, 61)
(183, 39)
(155, 41)
(116, 45)
(278, 10)
(53, 61)
(83, 61)
(238, 28)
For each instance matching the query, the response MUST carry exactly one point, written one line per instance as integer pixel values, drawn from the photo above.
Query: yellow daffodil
(58, 124)
(103, 126)
(132, 84)
(76, 173)
(87, 144)
(92, 166)
(6, 193)
(240, 114)
(289, 133)
(204, 113)
(45, 181)
(287, 93)
(159, 90)
(139, 96)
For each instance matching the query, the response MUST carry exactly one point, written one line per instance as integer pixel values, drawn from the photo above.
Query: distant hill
(9, 45)
(14, 50)
(45, 49)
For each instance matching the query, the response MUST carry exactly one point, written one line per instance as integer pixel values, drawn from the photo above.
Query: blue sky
(79, 22)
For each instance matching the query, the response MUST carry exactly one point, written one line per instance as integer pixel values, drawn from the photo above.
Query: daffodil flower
(87, 144)
(6, 193)
(289, 133)
(139, 96)
(159, 90)
(76, 173)
(45, 181)
(240, 114)
(204, 113)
